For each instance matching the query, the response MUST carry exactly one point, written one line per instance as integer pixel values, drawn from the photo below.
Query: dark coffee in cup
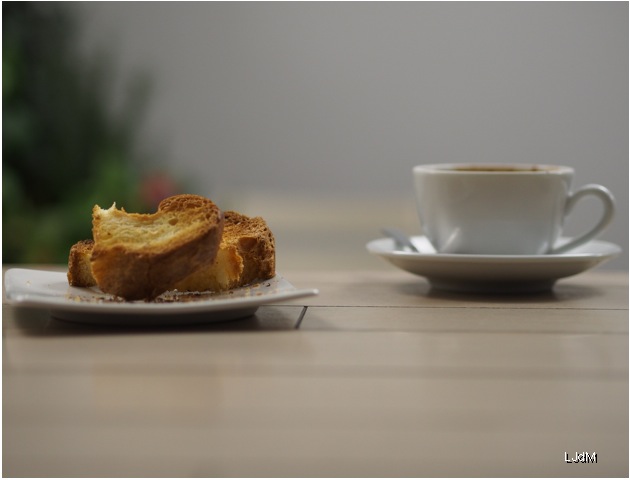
(500, 168)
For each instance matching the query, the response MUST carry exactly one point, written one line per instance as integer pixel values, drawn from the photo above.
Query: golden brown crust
(255, 243)
(79, 269)
(139, 256)
(223, 274)
(246, 255)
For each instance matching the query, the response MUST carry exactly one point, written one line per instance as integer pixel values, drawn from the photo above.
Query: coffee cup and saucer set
(498, 228)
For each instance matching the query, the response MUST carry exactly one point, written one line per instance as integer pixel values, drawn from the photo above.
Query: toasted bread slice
(255, 243)
(246, 255)
(79, 268)
(139, 256)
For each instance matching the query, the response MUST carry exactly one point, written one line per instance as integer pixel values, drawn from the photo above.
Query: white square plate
(51, 291)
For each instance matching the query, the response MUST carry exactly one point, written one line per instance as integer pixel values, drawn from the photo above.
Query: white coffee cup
(511, 209)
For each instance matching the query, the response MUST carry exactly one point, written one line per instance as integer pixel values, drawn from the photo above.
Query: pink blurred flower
(156, 187)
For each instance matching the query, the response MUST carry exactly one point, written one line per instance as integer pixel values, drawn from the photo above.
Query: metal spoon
(401, 240)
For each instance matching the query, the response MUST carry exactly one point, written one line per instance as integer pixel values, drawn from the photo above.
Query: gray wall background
(342, 99)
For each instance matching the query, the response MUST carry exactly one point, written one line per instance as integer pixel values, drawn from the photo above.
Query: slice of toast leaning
(246, 254)
(139, 256)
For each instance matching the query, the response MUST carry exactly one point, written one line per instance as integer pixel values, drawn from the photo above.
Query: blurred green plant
(64, 147)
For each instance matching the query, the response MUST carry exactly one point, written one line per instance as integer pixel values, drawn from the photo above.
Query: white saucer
(50, 291)
(493, 273)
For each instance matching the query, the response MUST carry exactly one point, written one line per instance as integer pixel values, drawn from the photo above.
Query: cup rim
(487, 169)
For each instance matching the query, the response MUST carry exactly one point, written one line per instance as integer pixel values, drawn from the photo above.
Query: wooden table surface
(378, 375)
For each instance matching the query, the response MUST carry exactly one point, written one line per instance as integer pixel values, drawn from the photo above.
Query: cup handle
(607, 199)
